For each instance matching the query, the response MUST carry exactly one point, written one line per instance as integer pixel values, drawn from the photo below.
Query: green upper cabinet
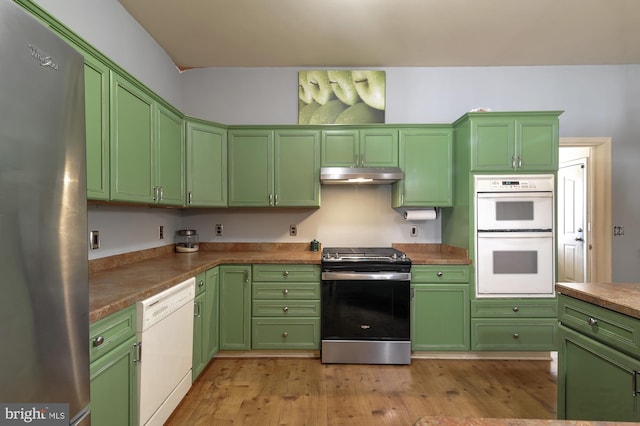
(132, 112)
(371, 147)
(96, 83)
(514, 142)
(147, 147)
(297, 168)
(273, 168)
(206, 164)
(169, 155)
(426, 159)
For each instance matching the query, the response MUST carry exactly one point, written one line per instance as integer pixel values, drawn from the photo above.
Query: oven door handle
(510, 234)
(515, 194)
(366, 276)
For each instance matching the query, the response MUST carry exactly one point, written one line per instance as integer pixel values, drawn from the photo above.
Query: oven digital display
(511, 182)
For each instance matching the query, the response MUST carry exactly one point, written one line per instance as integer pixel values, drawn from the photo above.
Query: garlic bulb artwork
(341, 96)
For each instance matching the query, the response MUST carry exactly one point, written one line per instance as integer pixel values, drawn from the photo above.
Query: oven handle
(515, 194)
(510, 234)
(366, 276)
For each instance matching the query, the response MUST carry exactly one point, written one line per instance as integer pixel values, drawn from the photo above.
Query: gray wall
(597, 100)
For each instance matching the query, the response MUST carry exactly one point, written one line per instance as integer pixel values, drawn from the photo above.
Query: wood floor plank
(302, 391)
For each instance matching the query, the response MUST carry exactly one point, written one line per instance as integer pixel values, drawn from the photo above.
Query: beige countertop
(619, 297)
(119, 281)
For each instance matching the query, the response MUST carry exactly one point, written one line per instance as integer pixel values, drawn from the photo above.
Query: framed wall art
(341, 96)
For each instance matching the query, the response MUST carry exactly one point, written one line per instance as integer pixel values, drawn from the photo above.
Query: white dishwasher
(165, 333)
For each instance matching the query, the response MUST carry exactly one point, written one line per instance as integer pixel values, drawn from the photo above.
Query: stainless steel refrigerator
(44, 349)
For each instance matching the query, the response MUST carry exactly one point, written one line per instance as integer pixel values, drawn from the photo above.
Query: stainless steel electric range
(365, 296)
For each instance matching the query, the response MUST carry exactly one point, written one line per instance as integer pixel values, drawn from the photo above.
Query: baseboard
(478, 355)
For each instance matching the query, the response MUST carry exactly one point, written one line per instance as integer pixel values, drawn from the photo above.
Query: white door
(571, 222)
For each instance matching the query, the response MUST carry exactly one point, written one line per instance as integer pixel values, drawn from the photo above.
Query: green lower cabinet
(285, 333)
(212, 310)
(440, 308)
(595, 381)
(502, 334)
(514, 324)
(285, 307)
(113, 371)
(235, 307)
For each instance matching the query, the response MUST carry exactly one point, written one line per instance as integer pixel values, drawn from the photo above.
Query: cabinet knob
(592, 321)
(285, 291)
(516, 308)
(200, 283)
(516, 335)
(285, 274)
(439, 273)
(285, 334)
(98, 341)
(285, 309)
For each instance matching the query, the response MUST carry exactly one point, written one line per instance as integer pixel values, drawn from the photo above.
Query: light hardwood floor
(302, 391)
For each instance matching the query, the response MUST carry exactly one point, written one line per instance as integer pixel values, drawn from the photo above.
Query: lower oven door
(365, 319)
(515, 264)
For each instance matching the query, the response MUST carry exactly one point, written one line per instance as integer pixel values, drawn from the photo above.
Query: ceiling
(392, 33)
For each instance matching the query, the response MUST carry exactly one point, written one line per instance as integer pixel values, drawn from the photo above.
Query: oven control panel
(514, 183)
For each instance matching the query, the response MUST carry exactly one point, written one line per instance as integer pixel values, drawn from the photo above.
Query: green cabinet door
(370, 147)
(96, 88)
(211, 309)
(595, 382)
(198, 360)
(508, 142)
(379, 147)
(235, 307)
(296, 168)
(132, 173)
(206, 165)
(440, 311)
(250, 168)
(169, 158)
(113, 387)
(340, 148)
(426, 159)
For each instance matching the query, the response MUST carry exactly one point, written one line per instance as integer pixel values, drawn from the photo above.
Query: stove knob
(403, 257)
(394, 256)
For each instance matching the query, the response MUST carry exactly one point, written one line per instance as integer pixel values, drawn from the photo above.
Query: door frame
(598, 204)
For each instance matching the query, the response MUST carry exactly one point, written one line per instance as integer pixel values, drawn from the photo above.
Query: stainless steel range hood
(360, 175)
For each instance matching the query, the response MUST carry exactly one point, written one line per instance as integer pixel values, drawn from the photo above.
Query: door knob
(580, 239)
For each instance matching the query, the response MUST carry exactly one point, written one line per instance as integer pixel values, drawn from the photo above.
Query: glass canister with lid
(187, 241)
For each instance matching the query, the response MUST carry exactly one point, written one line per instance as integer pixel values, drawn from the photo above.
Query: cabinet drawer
(280, 333)
(285, 273)
(288, 291)
(613, 328)
(289, 308)
(501, 334)
(514, 308)
(440, 274)
(109, 332)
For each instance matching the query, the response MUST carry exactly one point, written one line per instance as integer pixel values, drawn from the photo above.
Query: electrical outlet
(414, 231)
(162, 232)
(94, 240)
(219, 230)
(293, 230)
(618, 231)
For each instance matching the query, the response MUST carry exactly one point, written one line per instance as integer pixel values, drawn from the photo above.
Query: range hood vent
(360, 175)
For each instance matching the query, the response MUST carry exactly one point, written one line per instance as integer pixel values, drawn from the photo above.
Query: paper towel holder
(422, 214)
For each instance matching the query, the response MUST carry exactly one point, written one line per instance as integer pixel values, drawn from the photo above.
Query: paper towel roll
(427, 214)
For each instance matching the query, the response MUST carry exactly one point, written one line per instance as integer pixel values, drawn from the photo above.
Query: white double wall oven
(514, 230)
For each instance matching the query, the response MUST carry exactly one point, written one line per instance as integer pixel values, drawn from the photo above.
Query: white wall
(107, 26)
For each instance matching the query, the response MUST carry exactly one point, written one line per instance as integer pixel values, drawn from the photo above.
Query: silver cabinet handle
(439, 274)
(200, 283)
(276, 200)
(98, 341)
(155, 193)
(161, 193)
(246, 276)
(592, 321)
(285, 334)
(285, 309)
(285, 273)
(190, 198)
(516, 335)
(513, 162)
(196, 311)
(138, 346)
(285, 291)
(516, 308)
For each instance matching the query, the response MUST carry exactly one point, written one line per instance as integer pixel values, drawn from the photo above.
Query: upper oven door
(515, 211)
